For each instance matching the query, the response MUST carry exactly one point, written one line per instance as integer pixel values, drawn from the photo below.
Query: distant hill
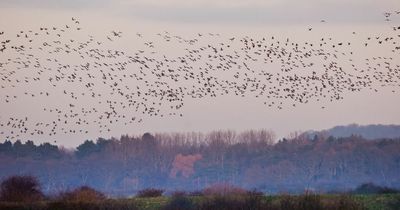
(367, 131)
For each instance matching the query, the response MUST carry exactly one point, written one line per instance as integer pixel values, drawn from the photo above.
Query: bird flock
(62, 80)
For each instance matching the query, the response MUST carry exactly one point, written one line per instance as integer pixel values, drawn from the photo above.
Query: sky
(254, 18)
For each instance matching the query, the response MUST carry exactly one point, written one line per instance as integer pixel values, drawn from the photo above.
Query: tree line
(189, 161)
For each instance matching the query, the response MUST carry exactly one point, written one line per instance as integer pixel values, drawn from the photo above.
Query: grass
(279, 202)
(379, 202)
(151, 203)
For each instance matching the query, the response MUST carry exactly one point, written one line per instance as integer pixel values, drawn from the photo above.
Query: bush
(83, 194)
(342, 202)
(302, 202)
(196, 193)
(232, 202)
(394, 203)
(180, 203)
(179, 193)
(21, 189)
(221, 203)
(287, 202)
(254, 200)
(371, 188)
(98, 205)
(310, 201)
(150, 192)
(232, 198)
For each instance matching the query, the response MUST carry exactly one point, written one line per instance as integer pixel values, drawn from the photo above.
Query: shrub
(253, 200)
(98, 205)
(394, 203)
(196, 193)
(221, 203)
(310, 201)
(179, 203)
(287, 202)
(179, 193)
(371, 188)
(231, 202)
(83, 194)
(302, 202)
(343, 202)
(150, 192)
(224, 196)
(20, 189)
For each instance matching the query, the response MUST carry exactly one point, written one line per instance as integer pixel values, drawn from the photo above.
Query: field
(231, 202)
